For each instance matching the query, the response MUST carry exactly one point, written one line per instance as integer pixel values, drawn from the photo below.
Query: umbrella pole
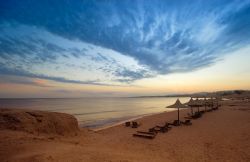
(192, 111)
(178, 116)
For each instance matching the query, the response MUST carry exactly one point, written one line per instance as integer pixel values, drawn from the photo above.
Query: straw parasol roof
(191, 103)
(178, 105)
(210, 102)
(198, 103)
(219, 98)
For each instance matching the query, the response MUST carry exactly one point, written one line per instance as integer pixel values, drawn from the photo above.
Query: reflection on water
(96, 112)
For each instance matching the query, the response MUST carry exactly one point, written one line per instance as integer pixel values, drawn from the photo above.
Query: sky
(96, 48)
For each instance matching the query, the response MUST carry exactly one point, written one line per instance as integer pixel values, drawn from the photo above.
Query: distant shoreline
(220, 93)
(182, 95)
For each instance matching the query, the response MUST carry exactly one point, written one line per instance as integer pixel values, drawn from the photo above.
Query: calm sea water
(97, 112)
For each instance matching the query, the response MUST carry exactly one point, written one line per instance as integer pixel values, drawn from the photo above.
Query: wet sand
(222, 135)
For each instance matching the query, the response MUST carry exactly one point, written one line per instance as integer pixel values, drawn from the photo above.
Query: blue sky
(117, 43)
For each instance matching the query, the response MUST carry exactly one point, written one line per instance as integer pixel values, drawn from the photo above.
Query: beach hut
(177, 105)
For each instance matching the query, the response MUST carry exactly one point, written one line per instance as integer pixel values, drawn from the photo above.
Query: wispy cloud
(38, 53)
(36, 82)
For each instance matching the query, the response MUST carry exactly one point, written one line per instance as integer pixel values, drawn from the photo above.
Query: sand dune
(222, 135)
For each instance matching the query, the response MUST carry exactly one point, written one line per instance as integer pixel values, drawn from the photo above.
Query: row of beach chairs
(152, 132)
(199, 114)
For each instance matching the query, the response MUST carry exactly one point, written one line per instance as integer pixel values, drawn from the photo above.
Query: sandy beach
(221, 135)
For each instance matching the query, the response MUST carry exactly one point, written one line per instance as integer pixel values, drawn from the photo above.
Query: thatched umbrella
(191, 104)
(177, 105)
(198, 104)
(210, 103)
(205, 103)
(218, 99)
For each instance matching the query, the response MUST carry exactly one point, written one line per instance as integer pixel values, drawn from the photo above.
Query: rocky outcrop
(38, 122)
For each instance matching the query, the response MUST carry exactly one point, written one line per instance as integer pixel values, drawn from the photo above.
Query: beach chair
(202, 111)
(186, 122)
(189, 116)
(127, 124)
(175, 123)
(158, 129)
(166, 125)
(142, 134)
(135, 124)
(209, 110)
(196, 115)
(215, 108)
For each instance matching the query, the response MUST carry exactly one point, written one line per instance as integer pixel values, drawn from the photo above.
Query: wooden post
(178, 116)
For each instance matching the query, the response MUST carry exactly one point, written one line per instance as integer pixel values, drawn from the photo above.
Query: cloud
(23, 80)
(39, 53)
(129, 76)
(112, 42)
(22, 73)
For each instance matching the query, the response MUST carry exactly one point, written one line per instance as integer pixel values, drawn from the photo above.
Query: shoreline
(123, 121)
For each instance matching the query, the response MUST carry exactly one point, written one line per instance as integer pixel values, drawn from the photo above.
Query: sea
(96, 113)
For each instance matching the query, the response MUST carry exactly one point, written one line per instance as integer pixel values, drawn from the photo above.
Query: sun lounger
(166, 125)
(186, 122)
(175, 123)
(215, 108)
(188, 117)
(132, 124)
(202, 111)
(127, 124)
(191, 116)
(148, 135)
(135, 124)
(151, 133)
(163, 129)
(196, 115)
(158, 129)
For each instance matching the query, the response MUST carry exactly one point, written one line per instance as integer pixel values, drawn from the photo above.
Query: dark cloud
(21, 80)
(129, 76)
(22, 73)
(27, 48)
